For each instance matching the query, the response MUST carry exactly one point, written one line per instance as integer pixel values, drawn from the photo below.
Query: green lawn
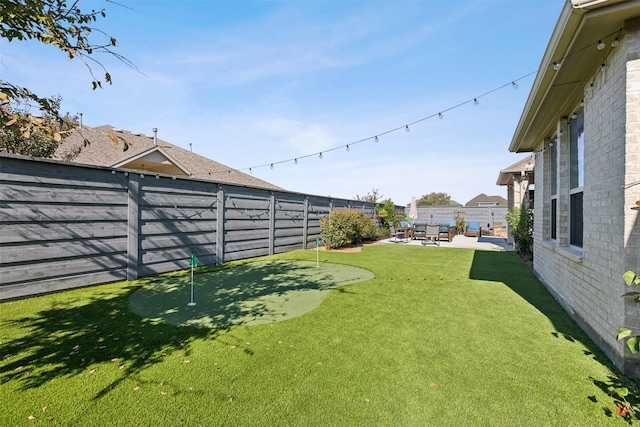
(440, 337)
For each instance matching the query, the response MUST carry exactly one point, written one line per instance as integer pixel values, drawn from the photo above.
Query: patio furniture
(447, 230)
(398, 235)
(432, 233)
(473, 229)
(419, 229)
(406, 227)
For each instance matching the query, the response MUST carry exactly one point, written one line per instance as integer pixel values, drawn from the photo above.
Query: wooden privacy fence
(64, 226)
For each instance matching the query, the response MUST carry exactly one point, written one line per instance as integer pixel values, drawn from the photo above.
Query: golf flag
(194, 260)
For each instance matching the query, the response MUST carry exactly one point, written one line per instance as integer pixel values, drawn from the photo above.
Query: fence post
(305, 223)
(220, 219)
(133, 227)
(272, 223)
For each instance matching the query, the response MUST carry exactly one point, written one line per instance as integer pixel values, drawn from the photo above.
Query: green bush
(347, 226)
(521, 227)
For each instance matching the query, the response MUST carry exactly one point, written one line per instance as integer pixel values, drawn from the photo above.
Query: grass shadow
(508, 268)
(254, 292)
(68, 337)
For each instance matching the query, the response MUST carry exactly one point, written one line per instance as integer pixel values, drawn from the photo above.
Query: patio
(488, 243)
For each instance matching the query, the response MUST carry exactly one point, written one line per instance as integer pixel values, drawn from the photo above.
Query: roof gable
(153, 160)
(147, 153)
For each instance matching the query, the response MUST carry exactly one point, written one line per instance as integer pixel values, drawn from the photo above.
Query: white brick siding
(588, 280)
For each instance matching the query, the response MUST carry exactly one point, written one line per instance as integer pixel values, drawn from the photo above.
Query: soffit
(573, 43)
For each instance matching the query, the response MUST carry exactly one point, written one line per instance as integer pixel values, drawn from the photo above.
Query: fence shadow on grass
(508, 268)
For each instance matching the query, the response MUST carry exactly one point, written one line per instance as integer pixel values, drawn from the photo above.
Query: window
(553, 175)
(576, 178)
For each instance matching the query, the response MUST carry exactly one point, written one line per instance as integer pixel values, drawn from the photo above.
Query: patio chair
(398, 235)
(473, 229)
(432, 233)
(446, 232)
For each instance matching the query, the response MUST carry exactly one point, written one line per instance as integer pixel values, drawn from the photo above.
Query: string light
(475, 100)
(601, 45)
(295, 161)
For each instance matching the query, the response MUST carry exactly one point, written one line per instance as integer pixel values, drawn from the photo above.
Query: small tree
(434, 199)
(67, 28)
(372, 196)
(520, 222)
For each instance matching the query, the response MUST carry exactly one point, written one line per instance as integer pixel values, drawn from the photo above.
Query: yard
(440, 336)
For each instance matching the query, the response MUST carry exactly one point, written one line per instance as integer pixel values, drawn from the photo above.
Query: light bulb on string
(514, 85)
(615, 42)
(475, 101)
(440, 115)
(406, 128)
(601, 45)
(271, 166)
(320, 155)
(556, 65)
(376, 139)
(250, 170)
(348, 148)
(295, 161)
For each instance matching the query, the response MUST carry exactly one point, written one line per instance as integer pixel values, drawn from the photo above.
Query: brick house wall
(588, 280)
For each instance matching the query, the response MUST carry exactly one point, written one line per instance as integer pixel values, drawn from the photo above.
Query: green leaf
(631, 278)
(634, 344)
(620, 391)
(623, 333)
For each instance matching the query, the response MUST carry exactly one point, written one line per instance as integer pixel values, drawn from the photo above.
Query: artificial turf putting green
(256, 292)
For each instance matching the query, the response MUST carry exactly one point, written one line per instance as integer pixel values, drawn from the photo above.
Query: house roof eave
(556, 93)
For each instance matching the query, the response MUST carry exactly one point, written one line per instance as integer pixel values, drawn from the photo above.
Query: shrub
(520, 222)
(347, 226)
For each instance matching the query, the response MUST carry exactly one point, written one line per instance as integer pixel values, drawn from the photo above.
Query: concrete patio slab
(488, 243)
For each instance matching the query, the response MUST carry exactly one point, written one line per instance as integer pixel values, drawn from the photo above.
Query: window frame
(576, 179)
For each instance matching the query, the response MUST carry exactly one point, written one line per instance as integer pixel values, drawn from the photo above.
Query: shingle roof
(484, 200)
(525, 165)
(149, 154)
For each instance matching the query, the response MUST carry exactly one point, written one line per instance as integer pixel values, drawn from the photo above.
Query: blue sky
(250, 83)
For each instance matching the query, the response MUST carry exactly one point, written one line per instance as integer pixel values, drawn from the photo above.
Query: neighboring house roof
(522, 166)
(484, 200)
(148, 154)
(582, 25)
